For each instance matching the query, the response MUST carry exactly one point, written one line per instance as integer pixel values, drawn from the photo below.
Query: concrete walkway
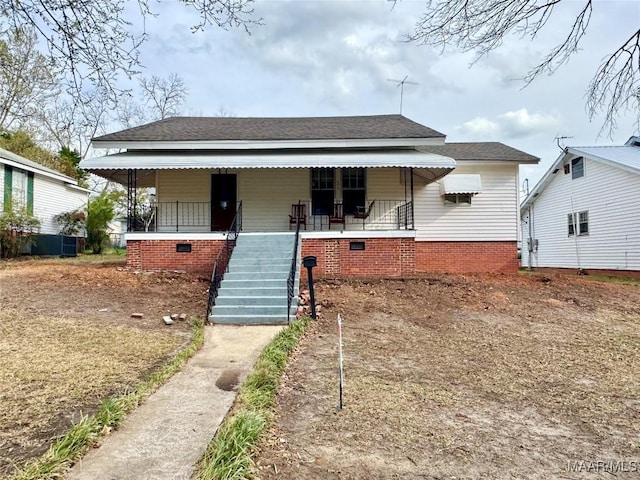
(168, 434)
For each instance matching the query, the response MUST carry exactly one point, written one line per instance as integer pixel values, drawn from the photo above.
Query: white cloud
(512, 124)
(481, 127)
(519, 123)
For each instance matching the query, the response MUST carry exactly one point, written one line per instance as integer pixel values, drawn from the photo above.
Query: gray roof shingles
(480, 151)
(184, 129)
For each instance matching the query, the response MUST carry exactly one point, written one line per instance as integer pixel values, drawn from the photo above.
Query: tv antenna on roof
(560, 143)
(400, 83)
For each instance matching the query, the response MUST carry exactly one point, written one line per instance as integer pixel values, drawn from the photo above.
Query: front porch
(200, 217)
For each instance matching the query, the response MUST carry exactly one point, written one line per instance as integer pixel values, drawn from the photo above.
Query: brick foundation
(399, 257)
(381, 257)
(162, 255)
(467, 257)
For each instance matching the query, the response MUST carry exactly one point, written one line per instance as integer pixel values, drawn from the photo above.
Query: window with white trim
(583, 223)
(578, 221)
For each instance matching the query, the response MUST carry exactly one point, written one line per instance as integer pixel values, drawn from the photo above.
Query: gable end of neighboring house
(43, 192)
(583, 214)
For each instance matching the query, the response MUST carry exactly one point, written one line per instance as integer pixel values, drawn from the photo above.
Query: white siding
(492, 215)
(50, 198)
(612, 198)
(192, 186)
(267, 196)
(386, 184)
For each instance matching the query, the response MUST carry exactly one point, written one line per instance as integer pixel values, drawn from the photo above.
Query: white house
(373, 195)
(44, 192)
(583, 214)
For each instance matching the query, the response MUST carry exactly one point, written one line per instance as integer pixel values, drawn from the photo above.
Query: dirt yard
(464, 377)
(68, 340)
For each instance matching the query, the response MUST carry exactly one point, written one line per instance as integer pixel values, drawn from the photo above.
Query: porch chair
(298, 215)
(337, 216)
(363, 213)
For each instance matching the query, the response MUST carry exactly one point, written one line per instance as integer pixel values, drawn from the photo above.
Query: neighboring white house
(42, 191)
(585, 211)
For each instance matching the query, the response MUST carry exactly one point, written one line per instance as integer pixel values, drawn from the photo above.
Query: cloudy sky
(330, 57)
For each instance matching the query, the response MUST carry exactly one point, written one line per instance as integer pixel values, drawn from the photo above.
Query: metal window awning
(461, 183)
(114, 167)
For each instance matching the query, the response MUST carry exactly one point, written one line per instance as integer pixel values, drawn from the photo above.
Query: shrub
(71, 223)
(16, 232)
(100, 211)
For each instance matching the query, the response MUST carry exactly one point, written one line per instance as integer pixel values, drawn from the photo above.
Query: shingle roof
(273, 129)
(480, 151)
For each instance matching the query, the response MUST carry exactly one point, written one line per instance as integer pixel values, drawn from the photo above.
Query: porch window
(322, 191)
(353, 189)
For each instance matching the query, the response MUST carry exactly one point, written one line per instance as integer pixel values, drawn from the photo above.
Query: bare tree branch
(27, 78)
(616, 86)
(482, 25)
(95, 41)
(164, 96)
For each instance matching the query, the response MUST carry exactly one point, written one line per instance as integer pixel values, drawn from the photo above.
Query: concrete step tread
(245, 296)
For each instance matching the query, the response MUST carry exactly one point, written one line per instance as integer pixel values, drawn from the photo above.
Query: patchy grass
(229, 456)
(56, 369)
(66, 449)
(472, 376)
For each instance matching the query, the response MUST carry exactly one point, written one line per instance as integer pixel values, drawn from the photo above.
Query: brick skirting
(162, 255)
(397, 257)
(467, 257)
(381, 257)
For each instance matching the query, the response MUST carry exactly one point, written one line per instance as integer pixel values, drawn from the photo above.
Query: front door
(223, 201)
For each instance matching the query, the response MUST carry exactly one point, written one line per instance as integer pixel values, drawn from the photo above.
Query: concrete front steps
(254, 290)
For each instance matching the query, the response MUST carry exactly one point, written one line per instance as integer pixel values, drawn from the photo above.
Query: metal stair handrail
(292, 273)
(221, 265)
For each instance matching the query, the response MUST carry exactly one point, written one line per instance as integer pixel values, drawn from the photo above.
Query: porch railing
(404, 214)
(292, 272)
(376, 214)
(221, 265)
(192, 217)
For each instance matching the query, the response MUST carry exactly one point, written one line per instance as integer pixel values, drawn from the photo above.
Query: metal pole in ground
(309, 262)
(340, 363)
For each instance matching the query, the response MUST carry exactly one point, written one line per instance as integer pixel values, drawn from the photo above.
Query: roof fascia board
(63, 178)
(542, 183)
(79, 188)
(494, 162)
(251, 145)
